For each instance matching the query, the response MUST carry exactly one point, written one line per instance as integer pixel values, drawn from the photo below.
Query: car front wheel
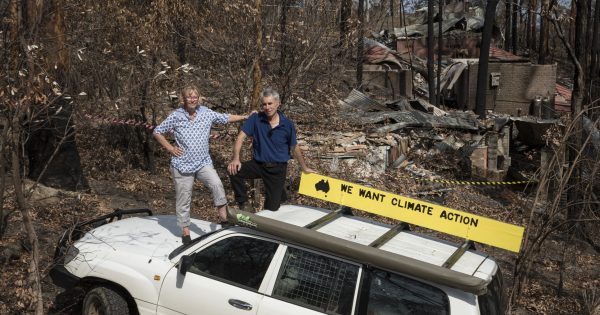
(105, 300)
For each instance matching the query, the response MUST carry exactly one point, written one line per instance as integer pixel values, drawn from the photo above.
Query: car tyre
(105, 300)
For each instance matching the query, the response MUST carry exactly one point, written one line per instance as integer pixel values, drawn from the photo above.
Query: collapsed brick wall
(519, 84)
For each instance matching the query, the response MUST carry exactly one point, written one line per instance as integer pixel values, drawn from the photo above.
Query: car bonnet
(152, 237)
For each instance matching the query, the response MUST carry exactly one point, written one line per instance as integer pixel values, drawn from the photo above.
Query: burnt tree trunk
(256, 71)
(575, 54)
(527, 27)
(533, 24)
(430, 48)
(282, 29)
(507, 25)
(11, 61)
(572, 25)
(586, 62)
(401, 14)
(391, 8)
(515, 33)
(145, 135)
(345, 14)
(23, 206)
(484, 56)
(181, 42)
(23, 18)
(520, 22)
(51, 148)
(574, 210)
(283, 71)
(4, 163)
(543, 44)
(361, 44)
(438, 99)
(595, 54)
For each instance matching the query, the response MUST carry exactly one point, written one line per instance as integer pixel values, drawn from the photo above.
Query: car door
(224, 278)
(312, 283)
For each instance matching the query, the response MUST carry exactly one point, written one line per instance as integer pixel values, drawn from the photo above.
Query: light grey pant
(184, 185)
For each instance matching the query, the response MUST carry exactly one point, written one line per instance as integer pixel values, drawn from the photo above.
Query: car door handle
(240, 304)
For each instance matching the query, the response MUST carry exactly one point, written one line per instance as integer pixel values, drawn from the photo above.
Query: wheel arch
(88, 283)
(139, 282)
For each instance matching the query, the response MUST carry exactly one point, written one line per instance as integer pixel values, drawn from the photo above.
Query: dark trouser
(273, 176)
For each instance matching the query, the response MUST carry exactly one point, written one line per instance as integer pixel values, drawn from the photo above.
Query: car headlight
(71, 253)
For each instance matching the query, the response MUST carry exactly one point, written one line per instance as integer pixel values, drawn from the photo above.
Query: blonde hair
(187, 90)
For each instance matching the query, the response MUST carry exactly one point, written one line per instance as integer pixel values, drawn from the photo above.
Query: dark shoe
(186, 239)
(225, 224)
(245, 207)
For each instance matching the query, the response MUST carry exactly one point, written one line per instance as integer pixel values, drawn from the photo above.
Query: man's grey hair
(270, 92)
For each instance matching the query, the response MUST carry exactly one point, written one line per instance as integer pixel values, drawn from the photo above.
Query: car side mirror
(185, 263)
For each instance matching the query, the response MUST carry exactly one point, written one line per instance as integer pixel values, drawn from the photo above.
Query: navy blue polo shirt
(270, 145)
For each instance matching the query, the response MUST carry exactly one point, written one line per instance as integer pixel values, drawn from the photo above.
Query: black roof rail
(468, 244)
(328, 218)
(402, 226)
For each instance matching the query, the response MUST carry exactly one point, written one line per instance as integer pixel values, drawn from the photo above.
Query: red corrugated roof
(564, 91)
(562, 99)
(504, 55)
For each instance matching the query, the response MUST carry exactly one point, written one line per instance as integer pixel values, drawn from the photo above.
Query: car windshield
(183, 247)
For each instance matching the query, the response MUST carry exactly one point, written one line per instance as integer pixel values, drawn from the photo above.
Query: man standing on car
(273, 139)
(190, 159)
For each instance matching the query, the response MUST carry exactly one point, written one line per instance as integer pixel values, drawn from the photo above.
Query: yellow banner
(413, 211)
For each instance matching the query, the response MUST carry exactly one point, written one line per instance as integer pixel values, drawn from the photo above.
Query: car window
(315, 281)
(238, 259)
(390, 293)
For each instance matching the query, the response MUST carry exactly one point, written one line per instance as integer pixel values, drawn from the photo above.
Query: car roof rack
(314, 225)
(370, 254)
(468, 244)
(402, 226)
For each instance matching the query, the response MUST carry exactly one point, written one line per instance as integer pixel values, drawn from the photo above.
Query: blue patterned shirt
(191, 136)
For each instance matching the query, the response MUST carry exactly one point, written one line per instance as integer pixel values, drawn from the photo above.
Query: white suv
(298, 260)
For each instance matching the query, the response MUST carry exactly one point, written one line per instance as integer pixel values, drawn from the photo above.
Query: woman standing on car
(190, 159)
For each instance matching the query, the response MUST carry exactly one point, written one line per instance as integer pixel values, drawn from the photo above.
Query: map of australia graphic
(322, 185)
